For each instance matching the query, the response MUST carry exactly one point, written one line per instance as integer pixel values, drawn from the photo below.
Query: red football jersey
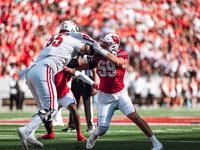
(61, 80)
(111, 76)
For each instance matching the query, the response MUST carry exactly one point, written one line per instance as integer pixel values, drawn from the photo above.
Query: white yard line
(102, 139)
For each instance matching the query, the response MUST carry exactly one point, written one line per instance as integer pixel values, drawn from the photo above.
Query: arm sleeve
(79, 39)
(73, 63)
(77, 44)
(84, 78)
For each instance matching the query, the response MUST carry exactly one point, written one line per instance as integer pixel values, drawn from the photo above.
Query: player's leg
(49, 128)
(50, 134)
(68, 101)
(146, 129)
(76, 88)
(127, 107)
(76, 119)
(44, 92)
(72, 126)
(29, 129)
(48, 99)
(105, 113)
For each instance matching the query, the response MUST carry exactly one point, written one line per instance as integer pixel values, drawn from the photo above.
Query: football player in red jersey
(112, 95)
(66, 99)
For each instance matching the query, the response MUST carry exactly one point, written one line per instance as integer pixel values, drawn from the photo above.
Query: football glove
(95, 86)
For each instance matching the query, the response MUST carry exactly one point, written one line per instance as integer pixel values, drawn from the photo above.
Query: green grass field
(119, 137)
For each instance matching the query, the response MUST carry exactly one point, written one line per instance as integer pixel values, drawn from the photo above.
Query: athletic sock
(32, 133)
(79, 133)
(34, 123)
(153, 139)
(94, 135)
(80, 136)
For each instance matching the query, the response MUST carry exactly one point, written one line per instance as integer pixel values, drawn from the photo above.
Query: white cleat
(23, 137)
(90, 144)
(34, 142)
(157, 146)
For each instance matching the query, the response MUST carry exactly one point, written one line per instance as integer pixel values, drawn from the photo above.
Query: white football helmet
(69, 26)
(111, 42)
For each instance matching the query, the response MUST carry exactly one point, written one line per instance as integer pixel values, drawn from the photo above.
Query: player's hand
(95, 86)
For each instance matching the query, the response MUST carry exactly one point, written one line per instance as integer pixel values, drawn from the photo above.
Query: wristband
(100, 50)
(103, 52)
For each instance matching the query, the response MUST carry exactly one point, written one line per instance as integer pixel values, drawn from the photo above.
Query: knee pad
(101, 130)
(47, 115)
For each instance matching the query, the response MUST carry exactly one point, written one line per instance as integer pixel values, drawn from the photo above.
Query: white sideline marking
(110, 131)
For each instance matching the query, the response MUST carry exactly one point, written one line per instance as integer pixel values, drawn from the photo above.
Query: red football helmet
(110, 41)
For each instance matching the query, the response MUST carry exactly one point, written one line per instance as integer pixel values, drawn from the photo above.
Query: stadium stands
(162, 38)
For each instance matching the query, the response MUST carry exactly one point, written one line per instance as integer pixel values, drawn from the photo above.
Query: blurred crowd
(162, 37)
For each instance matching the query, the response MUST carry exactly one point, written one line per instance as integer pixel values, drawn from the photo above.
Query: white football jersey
(61, 48)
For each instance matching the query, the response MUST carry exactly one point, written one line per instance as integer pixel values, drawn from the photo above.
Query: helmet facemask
(110, 42)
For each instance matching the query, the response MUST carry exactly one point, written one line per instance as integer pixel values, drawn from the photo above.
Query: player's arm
(76, 63)
(87, 49)
(82, 63)
(81, 76)
(95, 78)
(79, 64)
(118, 61)
(82, 43)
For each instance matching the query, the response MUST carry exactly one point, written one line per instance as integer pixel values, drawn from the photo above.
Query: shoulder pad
(122, 53)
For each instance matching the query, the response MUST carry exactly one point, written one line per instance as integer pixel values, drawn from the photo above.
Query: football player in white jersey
(112, 95)
(60, 49)
(66, 99)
